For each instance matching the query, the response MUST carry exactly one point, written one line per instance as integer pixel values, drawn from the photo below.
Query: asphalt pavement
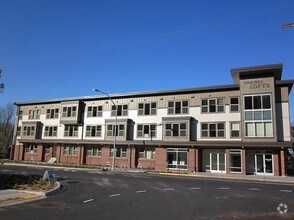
(93, 194)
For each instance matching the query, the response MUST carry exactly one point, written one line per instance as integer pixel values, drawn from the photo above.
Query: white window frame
(34, 114)
(120, 110)
(120, 130)
(217, 129)
(52, 113)
(234, 105)
(143, 108)
(94, 111)
(170, 132)
(232, 130)
(147, 153)
(69, 111)
(71, 131)
(97, 130)
(208, 105)
(254, 122)
(70, 150)
(50, 131)
(172, 107)
(151, 130)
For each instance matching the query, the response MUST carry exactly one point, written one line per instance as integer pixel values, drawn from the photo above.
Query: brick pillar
(192, 160)
(132, 155)
(21, 153)
(243, 162)
(276, 164)
(105, 155)
(160, 154)
(81, 155)
(11, 156)
(40, 152)
(58, 153)
(228, 161)
(282, 161)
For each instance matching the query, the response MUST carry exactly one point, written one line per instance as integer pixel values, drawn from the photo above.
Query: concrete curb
(29, 197)
(231, 178)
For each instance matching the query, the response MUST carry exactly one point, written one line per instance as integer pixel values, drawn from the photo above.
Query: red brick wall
(243, 162)
(105, 156)
(192, 160)
(276, 164)
(147, 163)
(91, 160)
(160, 154)
(228, 162)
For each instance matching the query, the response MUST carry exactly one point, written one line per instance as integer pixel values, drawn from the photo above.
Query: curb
(32, 196)
(228, 178)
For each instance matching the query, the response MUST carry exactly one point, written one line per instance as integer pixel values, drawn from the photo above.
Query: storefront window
(235, 161)
(177, 158)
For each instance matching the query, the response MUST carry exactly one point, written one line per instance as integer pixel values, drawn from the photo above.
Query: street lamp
(115, 125)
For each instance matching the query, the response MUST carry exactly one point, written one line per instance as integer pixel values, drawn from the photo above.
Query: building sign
(48, 175)
(257, 84)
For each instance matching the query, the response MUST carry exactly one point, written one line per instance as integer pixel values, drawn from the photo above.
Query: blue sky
(64, 48)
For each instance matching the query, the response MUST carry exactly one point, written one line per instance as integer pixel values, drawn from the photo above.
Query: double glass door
(217, 161)
(264, 163)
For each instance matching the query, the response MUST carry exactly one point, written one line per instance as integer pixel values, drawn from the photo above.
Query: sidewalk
(257, 178)
(12, 197)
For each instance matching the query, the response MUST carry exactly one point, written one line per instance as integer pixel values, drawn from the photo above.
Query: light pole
(115, 125)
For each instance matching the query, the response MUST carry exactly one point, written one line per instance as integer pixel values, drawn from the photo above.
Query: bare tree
(6, 127)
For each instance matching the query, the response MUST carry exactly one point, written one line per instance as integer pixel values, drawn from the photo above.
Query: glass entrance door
(263, 163)
(217, 162)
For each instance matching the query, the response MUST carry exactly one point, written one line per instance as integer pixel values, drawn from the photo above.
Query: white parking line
(224, 188)
(253, 189)
(168, 189)
(89, 200)
(286, 190)
(195, 188)
(141, 191)
(114, 195)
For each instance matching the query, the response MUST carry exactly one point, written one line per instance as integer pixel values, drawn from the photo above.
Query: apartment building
(241, 128)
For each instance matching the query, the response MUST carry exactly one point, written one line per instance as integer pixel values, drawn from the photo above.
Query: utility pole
(288, 25)
(1, 84)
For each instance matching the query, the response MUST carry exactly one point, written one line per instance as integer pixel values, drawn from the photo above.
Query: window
(146, 130)
(93, 131)
(20, 114)
(69, 150)
(71, 131)
(212, 105)
(147, 108)
(50, 131)
(34, 114)
(176, 129)
(94, 151)
(235, 161)
(31, 149)
(120, 152)
(258, 116)
(94, 111)
(18, 131)
(120, 130)
(121, 110)
(52, 113)
(28, 131)
(178, 107)
(47, 149)
(69, 112)
(235, 129)
(213, 129)
(234, 104)
(147, 152)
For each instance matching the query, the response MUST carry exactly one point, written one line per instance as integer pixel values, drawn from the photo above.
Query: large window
(146, 130)
(147, 108)
(176, 129)
(235, 161)
(235, 129)
(120, 130)
(94, 151)
(31, 149)
(71, 131)
(178, 107)
(177, 158)
(147, 152)
(34, 114)
(70, 150)
(28, 131)
(94, 111)
(213, 129)
(120, 152)
(69, 111)
(120, 110)
(50, 131)
(258, 116)
(212, 105)
(52, 113)
(93, 131)
(234, 104)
